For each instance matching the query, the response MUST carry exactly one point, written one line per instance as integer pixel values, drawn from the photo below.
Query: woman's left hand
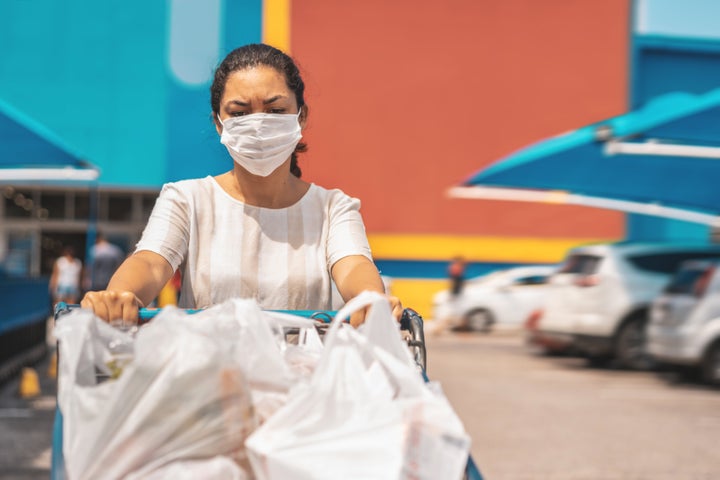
(358, 318)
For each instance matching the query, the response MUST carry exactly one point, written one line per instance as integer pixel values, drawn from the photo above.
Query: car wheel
(711, 365)
(479, 320)
(630, 346)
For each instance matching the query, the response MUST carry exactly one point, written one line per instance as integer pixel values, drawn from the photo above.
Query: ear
(303, 116)
(218, 125)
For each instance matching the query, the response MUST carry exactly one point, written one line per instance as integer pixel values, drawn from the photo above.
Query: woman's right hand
(111, 305)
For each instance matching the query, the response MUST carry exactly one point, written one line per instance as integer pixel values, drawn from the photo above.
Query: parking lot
(531, 417)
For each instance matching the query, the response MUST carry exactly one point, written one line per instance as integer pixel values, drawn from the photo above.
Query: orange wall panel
(409, 97)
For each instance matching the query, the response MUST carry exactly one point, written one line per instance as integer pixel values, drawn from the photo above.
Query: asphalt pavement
(533, 417)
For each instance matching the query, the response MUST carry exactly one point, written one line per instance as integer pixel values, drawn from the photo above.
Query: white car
(504, 297)
(598, 301)
(684, 327)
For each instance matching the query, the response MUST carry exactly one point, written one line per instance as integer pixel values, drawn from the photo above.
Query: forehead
(259, 82)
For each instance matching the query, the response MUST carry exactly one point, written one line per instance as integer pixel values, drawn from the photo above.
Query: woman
(257, 231)
(65, 278)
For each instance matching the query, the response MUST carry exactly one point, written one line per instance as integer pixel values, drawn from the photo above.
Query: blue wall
(193, 146)
(99, 74)
(675, 47)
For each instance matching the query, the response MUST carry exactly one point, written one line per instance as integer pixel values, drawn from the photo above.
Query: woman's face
(257, 90)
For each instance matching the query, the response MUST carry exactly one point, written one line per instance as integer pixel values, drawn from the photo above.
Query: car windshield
(668, 262)
(531, 280)
(492, 277)
(582, 264)
(685, 280)
(510, 277)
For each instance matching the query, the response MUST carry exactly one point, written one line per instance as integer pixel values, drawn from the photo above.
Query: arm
(349, 257)
(356, 273)
(135, 284)
(142, 275)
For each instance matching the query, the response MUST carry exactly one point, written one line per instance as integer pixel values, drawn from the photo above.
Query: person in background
(65, 278)
(104, 259)
(456, 273)
(258, 230)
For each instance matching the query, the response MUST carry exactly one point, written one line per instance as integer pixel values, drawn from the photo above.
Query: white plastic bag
(184, 388)
(181, 394)
(216, 468)
(366, 413)
(258, 341)
(271, 364)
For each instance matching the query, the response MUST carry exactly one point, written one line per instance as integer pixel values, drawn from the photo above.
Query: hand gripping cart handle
(411, 326)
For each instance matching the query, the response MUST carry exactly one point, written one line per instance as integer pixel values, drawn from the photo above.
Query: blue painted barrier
(24, 300)
(26, 308)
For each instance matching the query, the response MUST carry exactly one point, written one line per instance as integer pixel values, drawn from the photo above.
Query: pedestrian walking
(65, 278)
(103, 260)
(456, 273)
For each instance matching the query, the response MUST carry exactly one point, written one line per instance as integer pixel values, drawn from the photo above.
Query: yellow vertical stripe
(276, 24)
(417, 293)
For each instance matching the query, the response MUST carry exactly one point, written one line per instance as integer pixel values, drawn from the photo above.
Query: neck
(280, 189)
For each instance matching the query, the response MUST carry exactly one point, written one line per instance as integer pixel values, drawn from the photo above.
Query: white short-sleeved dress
(228, 249)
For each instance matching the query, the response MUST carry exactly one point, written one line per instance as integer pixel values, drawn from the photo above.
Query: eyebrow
(265, 102)
(272, 99)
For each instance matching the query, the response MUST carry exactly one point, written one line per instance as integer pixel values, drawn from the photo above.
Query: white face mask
(261, 142)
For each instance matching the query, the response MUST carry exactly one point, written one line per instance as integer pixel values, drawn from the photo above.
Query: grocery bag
(271, 363)
(365, 414)
(178, 390)
(216, 468)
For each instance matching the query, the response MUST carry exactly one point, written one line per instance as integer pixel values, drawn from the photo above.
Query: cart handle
(410, 321)
(147, 314)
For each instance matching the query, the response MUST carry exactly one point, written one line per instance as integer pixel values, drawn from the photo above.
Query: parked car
(503, 297)
(548, 344)
(598, 301)
(684, 327)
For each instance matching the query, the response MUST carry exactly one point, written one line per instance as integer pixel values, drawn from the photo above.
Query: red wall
(409, 97)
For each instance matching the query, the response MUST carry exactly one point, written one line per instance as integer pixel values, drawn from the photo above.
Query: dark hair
(254, 55)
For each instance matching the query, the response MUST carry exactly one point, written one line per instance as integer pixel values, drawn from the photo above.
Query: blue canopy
(29, 152)
(662, 159)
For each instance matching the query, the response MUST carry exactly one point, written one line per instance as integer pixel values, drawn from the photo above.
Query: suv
(684, 327)
(598, 301)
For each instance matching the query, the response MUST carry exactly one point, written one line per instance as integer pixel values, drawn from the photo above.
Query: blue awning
(30, 153)
(662, 159)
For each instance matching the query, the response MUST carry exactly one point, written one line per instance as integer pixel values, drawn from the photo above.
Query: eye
(237, 114)
(277, 110)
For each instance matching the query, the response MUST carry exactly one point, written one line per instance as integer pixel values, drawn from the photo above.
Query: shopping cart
(411, 326)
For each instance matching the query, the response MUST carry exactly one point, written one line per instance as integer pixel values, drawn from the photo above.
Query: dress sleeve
(167, 232)
(346, 234)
